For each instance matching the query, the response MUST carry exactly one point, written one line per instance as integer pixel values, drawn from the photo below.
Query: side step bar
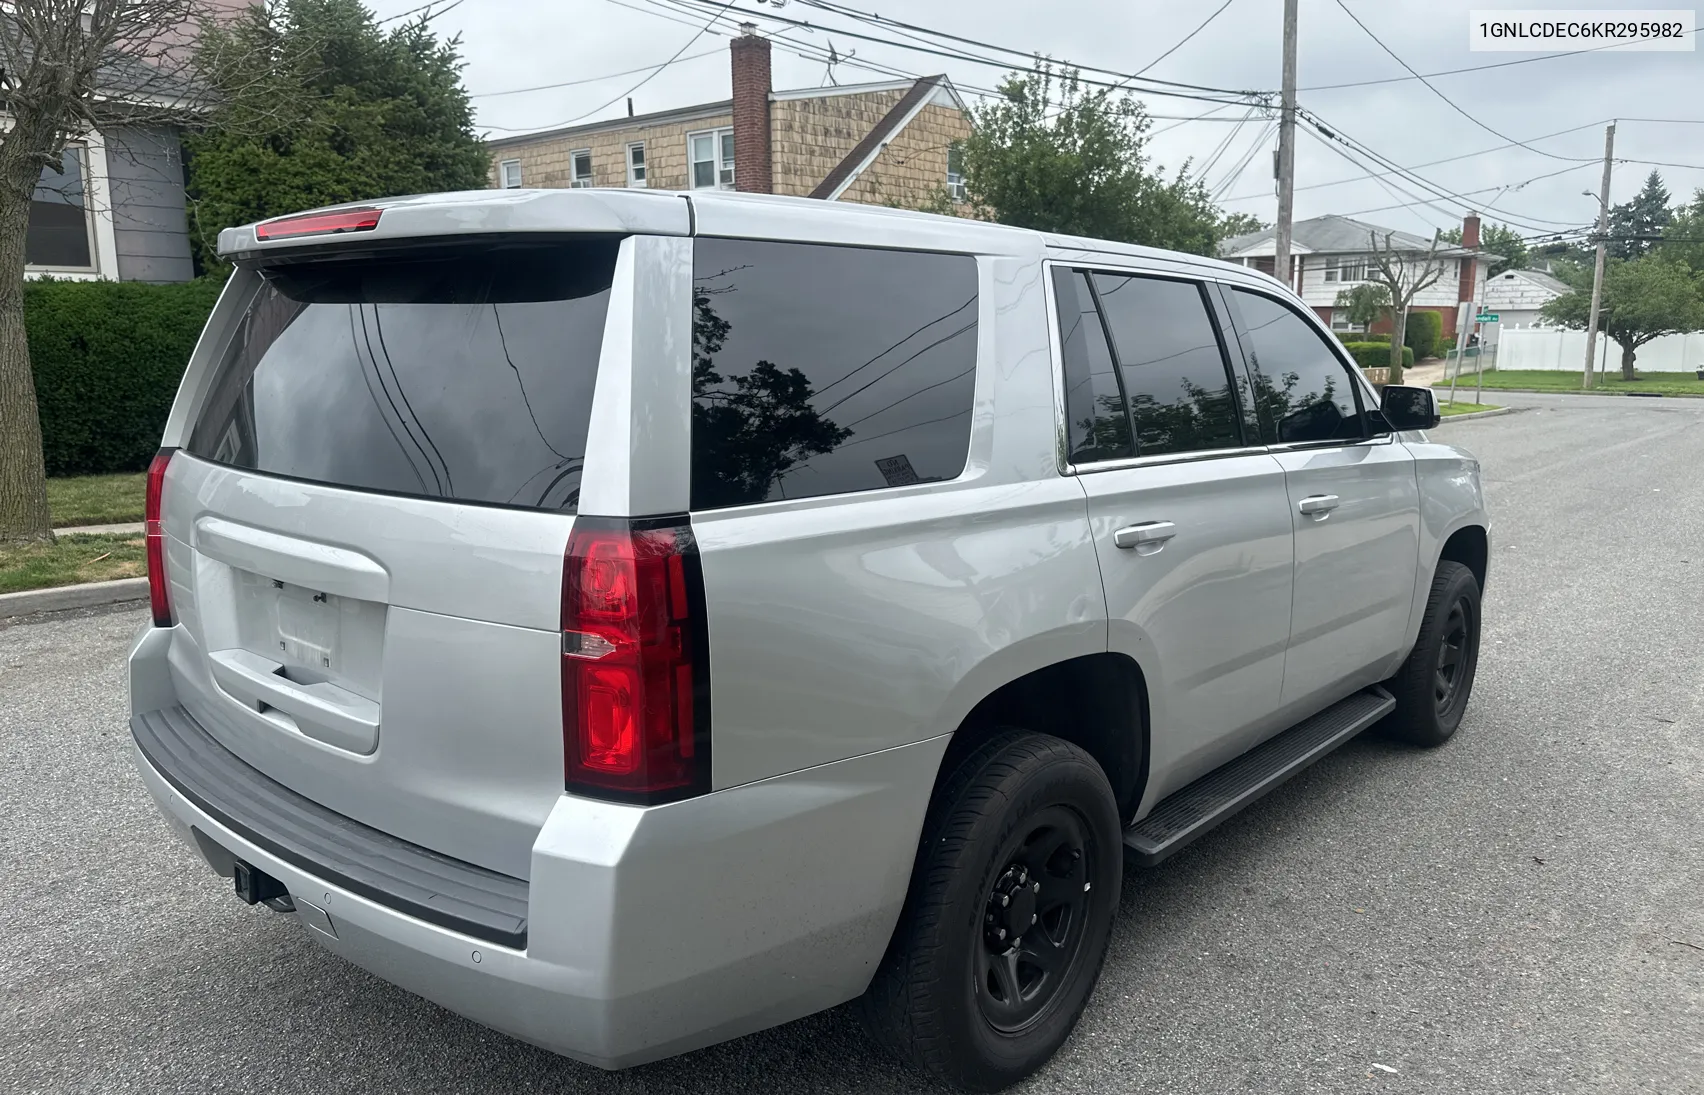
(1178, 820)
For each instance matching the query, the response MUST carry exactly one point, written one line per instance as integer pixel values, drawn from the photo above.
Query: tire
(978, 1010)
(1433, 686)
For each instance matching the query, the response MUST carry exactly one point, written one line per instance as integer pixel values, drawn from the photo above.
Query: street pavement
(1521, 911)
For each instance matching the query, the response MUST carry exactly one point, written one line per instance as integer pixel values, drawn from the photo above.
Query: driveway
(1521, 911)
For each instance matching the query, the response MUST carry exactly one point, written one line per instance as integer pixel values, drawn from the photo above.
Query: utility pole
(1586, 380)
(1286, 150)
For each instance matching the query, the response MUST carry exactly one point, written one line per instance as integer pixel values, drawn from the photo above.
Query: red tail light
(318, 224)
(159, 591)
(635, 671)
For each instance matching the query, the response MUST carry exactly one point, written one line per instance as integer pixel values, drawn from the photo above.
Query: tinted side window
(1174, 372)
(824, 370)
(1302, 389)
(1098, 427)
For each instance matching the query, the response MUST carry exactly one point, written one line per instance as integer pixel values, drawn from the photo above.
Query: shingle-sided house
(1329, 254)
(880, 143)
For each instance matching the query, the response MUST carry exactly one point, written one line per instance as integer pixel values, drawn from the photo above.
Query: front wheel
(1433, 685)
(1005, 927)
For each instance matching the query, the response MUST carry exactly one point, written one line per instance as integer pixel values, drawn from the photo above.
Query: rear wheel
(1006, 924)
(1433, 685)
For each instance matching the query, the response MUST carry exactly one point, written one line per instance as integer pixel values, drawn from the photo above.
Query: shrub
(1376, 355)
(1446, 345)
(107, 358)
(1346, 337)
(1422, 332)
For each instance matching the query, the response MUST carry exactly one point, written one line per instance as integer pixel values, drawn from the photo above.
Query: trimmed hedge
(1376, 355)
(107, 357)
(1346, 337)
(1423, 332)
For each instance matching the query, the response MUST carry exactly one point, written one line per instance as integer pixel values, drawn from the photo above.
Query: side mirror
(1408, 408)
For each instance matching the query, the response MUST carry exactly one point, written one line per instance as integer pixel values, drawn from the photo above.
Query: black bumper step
(1179, 819)
(406, 877)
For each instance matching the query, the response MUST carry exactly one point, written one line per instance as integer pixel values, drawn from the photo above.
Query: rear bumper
(650, 930)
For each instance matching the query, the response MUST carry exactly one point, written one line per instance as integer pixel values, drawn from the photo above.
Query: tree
(1365, 303)
(385, 114)
(1683, 239)
(69, 69)
(1500, 240)
(1402, 276)
(1634, 226)
(1643, 299)
(1052, 155)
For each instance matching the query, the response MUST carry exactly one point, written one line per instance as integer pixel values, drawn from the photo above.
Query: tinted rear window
(459, 373)
(822, 370)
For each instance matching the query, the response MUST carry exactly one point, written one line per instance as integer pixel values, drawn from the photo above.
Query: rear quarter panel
(1451, 498)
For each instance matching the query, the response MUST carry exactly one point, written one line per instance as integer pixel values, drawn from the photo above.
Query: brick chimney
(1470, 241)
(753, 165)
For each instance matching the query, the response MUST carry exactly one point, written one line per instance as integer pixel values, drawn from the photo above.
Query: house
(113, 207)
(1516, 296)
(881, 143)
(1329, 254)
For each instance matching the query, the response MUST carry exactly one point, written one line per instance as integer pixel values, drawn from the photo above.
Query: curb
(1599, 391)
(83, 596)
(100, 530)
(1476, 414)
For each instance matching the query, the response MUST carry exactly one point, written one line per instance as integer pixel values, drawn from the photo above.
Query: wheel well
(1469, 547)
(1098, 702)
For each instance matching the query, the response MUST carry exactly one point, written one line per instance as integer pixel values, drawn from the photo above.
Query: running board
(1179, 819)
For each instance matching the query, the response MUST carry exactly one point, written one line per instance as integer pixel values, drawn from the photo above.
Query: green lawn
(1463, 407)
(71, 561)
(96, 499)
(1544, 380)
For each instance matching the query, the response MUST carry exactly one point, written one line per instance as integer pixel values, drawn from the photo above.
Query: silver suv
(635, 619)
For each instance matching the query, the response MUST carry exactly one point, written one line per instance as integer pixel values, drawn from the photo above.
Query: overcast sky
(512, 44)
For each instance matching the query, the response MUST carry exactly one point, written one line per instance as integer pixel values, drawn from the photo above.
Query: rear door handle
(1318, 503)
(1143, 535)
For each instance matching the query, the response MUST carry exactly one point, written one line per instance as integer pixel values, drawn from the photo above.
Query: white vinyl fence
(1566, 351)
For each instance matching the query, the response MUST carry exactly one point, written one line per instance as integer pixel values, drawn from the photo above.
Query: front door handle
(1318, 504)
(1151, 534)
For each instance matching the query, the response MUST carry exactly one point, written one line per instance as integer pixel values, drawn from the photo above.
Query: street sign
(1485, 317)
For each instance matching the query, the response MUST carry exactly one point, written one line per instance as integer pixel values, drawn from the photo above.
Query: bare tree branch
(1404, 279)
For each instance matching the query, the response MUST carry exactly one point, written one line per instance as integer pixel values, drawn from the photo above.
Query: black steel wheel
(1433, 686)
(1005, 927)
(1036, 918)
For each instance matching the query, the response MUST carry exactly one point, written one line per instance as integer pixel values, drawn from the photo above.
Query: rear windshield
(462, 372)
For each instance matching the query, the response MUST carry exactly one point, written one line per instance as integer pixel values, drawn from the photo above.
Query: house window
(955, 172)
(511, 173)
(636, 164)
(1346, 269)
(711, 157)
(1340, 321)
(58, 236)
(581, 158)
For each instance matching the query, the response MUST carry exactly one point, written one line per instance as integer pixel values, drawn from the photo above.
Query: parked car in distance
(633, 619)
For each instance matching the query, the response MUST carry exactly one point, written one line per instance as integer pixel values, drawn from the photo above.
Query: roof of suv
(699, 212)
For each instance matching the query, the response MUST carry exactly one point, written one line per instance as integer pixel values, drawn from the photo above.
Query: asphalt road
(1521, 911)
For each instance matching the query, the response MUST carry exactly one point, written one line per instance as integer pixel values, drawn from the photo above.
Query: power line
(1453, 105)
(591, 79)
(1214, 95)
(1434, 163)
(1470, 68)
(652, 74)
(1434, 90)
(1331, 135)
(872, 18)
(1184, 41)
